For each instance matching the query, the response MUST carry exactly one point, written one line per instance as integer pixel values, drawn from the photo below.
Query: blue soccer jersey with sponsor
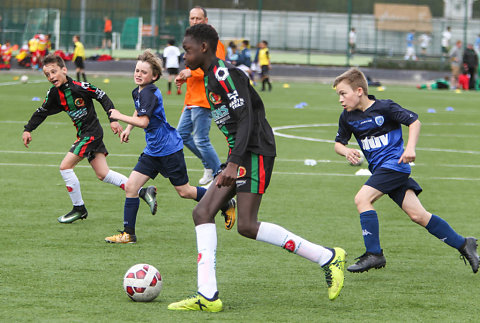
(378, 131)
(162, 139)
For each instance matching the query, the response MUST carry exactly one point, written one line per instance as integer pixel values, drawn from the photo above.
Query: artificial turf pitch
(51, 272)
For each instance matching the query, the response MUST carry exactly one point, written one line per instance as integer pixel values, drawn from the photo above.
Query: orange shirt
(196, 85)
(108, 26)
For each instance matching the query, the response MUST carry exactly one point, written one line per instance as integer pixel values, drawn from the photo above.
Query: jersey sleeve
(401, 115)
(235, 85)
(99, 95)
(148, 103)
(344, 133)
(47, 108)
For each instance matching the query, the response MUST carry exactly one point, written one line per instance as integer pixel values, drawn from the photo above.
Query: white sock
(73, 186)
(207, 248)
(116, 179)
(278, 236)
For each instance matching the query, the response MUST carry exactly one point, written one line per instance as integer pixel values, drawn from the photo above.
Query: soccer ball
(24, 79)
(360, 160)
(142, 283)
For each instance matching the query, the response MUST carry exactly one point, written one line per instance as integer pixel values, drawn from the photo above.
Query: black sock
(84, 77)
(129, 230)
(78, 76)
(269, 84)
(263, 84)
(169, 86)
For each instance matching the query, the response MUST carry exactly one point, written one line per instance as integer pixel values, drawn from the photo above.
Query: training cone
(106, 81)
(286, 86)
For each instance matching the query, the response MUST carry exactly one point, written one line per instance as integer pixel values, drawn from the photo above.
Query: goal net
(43, 21)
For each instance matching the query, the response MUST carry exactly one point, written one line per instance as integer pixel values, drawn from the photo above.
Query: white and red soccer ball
(142, 283)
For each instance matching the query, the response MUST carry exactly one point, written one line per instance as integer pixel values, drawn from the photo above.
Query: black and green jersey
(238, 111)
(76, 99)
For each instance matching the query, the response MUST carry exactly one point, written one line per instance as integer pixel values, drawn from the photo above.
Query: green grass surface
(51, 272)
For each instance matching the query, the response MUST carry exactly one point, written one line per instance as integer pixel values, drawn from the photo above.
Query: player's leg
(206, 299)
(373, 256)
(73, 186)
(201, 121)
(104, 173)
(130, 210)
(170, 79)
(331, 260)
(440, 228)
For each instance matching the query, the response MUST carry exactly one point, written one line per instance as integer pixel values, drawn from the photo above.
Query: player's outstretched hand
(124, 136)
(27, 138)
(182, 77)
(228, 176)
(116, 127)
(408, 156)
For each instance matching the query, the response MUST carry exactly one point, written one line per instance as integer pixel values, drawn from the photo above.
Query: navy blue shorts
(393, 183)
(171, 166)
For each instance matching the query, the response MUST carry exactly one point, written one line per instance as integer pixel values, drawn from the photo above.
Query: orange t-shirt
(196, 95)
(108, 26)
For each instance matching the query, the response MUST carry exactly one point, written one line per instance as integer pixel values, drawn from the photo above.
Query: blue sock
(370, 231)
(443, 231)
(200, 193)
(130, 214)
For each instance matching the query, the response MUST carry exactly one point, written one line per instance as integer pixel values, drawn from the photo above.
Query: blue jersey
(378, 131)
(410, 39)
(162, 139)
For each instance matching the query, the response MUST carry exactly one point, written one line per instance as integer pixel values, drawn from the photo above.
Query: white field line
(277, 133)
(18, 82)
(278, 173)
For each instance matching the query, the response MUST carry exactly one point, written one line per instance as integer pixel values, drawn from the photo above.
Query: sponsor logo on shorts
(79, 102)
(242, 172)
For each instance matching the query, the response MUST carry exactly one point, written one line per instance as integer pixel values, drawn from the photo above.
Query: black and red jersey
(76, 99)
(238, 111)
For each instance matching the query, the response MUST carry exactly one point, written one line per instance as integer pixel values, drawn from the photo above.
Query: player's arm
(409, 155)
(341, 140)
(38, 117)
(107, 105)
(125, 135)
(135, 120)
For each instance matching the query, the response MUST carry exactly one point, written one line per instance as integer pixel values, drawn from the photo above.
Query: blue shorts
(171, 166)
(393, 183)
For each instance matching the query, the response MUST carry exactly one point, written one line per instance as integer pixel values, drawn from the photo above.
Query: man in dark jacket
(470, 60)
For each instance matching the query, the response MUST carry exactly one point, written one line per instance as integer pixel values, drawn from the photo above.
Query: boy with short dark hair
(239, 113)
(376, 124)
(76, 99)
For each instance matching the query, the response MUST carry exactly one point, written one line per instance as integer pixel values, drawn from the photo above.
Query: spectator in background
(446, 36)
(245, 59)
(352, 41)
(424, 43)
(171, 61)
(477, 44)
(455, 56)
(470, 60)
(79, 58)
(107, 30)
(265, 66)
(232, 55)
(410, 54)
